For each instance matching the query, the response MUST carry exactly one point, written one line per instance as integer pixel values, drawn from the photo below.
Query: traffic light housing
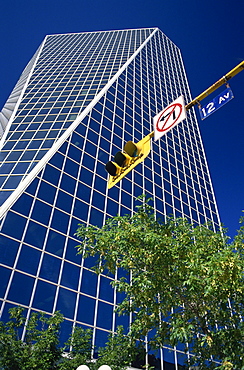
(125, 161)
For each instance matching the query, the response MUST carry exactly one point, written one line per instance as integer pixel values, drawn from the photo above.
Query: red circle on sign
(168, 117)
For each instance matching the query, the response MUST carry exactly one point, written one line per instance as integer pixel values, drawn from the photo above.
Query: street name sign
(216, 103)
(169, 117)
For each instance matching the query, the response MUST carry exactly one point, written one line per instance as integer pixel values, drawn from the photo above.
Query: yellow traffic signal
(125, 161)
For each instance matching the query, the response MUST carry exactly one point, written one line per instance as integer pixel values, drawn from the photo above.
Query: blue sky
(210, 35)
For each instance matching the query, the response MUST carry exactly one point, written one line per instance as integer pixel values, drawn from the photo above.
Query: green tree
(39, 350)
(41, 346)
(78, 349)
(120, 351)
(186, 283)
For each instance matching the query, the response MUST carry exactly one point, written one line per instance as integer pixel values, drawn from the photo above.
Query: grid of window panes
(70, 71)
(37, 234)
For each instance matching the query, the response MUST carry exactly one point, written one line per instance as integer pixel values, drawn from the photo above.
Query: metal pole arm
(217, 84)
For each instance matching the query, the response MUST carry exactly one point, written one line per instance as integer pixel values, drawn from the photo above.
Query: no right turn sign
(169, 117)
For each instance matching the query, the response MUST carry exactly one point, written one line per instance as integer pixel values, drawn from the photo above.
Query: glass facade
(79, 100)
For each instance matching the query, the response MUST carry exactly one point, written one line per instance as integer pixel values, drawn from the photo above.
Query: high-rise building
(80, 98)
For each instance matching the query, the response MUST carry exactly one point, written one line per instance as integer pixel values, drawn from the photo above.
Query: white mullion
(128, 44)
(166, 98)
(159, 143)
(157, 36)
(154, 66)
(61, 171)
(166, 136)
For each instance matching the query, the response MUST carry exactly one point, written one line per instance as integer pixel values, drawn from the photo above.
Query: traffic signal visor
(125, 161)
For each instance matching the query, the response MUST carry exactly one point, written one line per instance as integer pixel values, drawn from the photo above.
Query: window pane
(21, 288)
(66, 302)
(104, 315)
(89, 283)
(41, 212)
(60, 221)
(28, 260)
(8, 250)
(106, 291)
(4, 278)
(46, 192)
(14, 225)
(44, 296)
(64, 201)
(70, 275)
(50, 268)
(35, 234)
(86, 309)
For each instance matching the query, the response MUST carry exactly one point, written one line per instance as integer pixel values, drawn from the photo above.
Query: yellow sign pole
(216, 85)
